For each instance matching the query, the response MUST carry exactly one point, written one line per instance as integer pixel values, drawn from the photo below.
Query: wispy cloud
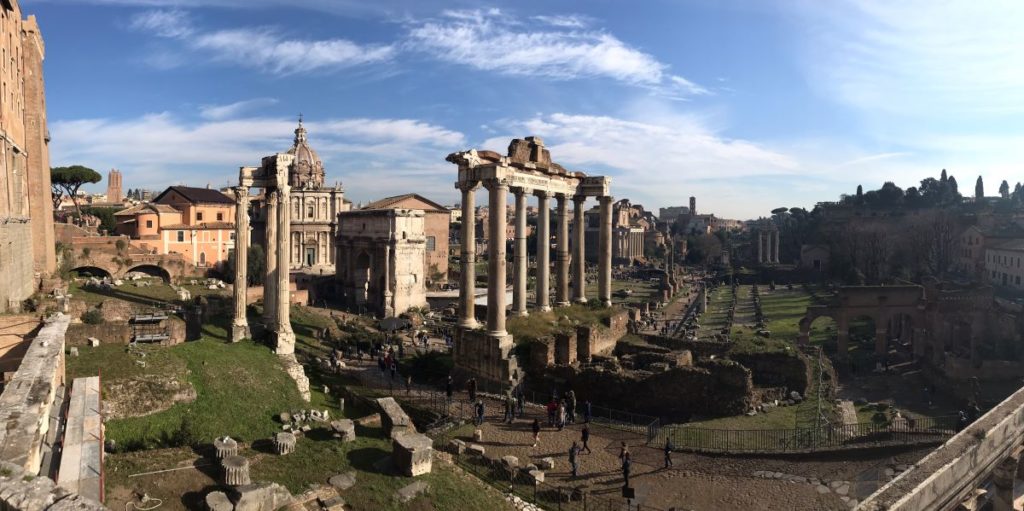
(486, 40)
(228, 111)
(264, 48)
(373, 157)
(564, 21)
(918, 58)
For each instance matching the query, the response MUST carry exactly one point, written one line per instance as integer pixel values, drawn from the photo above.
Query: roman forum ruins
(526, 170)
(768, 253)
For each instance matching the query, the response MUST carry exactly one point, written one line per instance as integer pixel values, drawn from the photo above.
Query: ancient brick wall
(17, 280)
(777, 369)
(595, 340)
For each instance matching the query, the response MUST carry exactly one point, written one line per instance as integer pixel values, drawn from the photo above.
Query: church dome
(307, 170)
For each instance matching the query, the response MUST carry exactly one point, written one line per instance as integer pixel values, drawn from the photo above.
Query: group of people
(563, 411)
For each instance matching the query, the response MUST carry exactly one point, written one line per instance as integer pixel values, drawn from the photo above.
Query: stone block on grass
(412, 453)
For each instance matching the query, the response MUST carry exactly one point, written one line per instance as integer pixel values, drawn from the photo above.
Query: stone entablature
(526, 170)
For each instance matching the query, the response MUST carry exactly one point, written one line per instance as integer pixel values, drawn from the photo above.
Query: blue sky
(746, 105)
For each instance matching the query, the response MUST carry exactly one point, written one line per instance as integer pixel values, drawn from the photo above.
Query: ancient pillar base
(563, 304)
(284, 443)
(284, 343)
(469, 324)
(545, 308)
(240, 331)
(606, 303)
(521, 314)
(580, 300)
(225, 447)
(236, 470)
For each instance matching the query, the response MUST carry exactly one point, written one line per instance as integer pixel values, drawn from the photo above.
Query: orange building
(197, 223)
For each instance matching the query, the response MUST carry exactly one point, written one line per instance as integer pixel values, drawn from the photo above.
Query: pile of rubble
(303, 420)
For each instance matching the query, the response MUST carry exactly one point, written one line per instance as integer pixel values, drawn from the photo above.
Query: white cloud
(264, 48)
(489, 41)
(164, 23)
(564, 21)
(221, 112)
(373, 157)
(920, 58)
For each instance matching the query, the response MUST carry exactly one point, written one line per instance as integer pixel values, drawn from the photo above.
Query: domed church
(314, 210)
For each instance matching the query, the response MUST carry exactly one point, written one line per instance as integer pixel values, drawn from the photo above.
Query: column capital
(579, 199)
(543, 194)
(520, 190)
(468, 186)
(605, 199)
(496, 184)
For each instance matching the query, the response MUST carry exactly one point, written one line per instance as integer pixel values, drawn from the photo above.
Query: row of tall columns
(240, 324)
(496, 274)
(561, 251)
(276, 290)
(768, 253)
(604, 253)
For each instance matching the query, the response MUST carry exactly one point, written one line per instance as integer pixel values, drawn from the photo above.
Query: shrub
(92, 317)
(121, 245)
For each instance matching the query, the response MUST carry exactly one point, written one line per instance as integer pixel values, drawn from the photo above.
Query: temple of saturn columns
(768, 252)
(486, 350)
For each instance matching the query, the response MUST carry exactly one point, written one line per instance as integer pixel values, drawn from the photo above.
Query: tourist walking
(536, 432)
(626, 466)
(552, 411)
(668, 452)
(586, 411)
(394, 370)
(510, 408)
(471, 388)
(561, 415)
(408, 385)
(479, 412)
(585, 437)
(520, 402)
(623, 451)
(573, 452)
(449, 389)
(570, 406)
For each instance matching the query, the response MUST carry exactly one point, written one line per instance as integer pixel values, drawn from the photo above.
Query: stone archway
(92, 271)
(152, 270)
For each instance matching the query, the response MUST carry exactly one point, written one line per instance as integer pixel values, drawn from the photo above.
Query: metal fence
(868, 434)
(519, 482)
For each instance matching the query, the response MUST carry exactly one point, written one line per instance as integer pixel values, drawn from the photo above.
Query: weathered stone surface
(343, 481)
(411, 491)
(261, 497)
(334, 503)
(225, 446)
(546, 464)
(284, 443)
(218, 501)
(393, 419)
(344, 428)
(236, 470)
(478, 435)
(457, 446)
(476, 449)
(412, 453)
(370, 420)
(537, 475)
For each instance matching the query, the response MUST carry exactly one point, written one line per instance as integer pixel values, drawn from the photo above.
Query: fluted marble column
(562, 251)
(285, 336)
(543, 251)
(467, 293)
(270, 279)
(760, 246)
(389, 306)
(496, 258)
(578, 254)
(604, 253)
(520, 270)
(776, 245)
(240, 324)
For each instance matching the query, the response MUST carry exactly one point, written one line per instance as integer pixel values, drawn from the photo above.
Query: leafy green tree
(979, 189)
(70, 179)
(255, 266)
(106, 216)
(1004, 189)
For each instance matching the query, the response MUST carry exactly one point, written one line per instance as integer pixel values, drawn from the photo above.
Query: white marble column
(496, 258)
(467, 291)
(240, 324)
(562, 251)
(543, 251)
(520, 270)
(604, 253)
(579, 263)
(270, 278)
(389, 306)
(285, 336)
(760, 246)
(776, 245)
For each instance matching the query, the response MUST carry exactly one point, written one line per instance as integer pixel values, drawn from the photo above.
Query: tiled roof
(198, 195)
(390, 202)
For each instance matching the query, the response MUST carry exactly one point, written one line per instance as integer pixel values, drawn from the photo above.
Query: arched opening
(861, 349)
(202, 259)
(91, 271)
(900, 335)
(363, 261)
(152, 270)
(823, 331)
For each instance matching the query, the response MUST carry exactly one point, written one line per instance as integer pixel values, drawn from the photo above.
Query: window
(199, 216)
(149, 223)
(232, 235)
(220, 217)
(181, 236)
(431, 243)
(202, 259)
(309, 211)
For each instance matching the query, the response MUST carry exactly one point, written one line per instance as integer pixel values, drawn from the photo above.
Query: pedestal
(236, 470)
(225, 447)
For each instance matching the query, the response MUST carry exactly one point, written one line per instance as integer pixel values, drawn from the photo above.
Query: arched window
(202, 259)
(310, 211)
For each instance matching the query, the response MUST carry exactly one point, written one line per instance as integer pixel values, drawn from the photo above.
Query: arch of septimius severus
(526, 170)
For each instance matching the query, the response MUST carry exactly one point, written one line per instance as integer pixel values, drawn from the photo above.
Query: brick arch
(880, 303)
(151, 269)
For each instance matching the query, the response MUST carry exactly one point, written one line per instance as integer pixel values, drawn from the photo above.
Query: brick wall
(17, 279)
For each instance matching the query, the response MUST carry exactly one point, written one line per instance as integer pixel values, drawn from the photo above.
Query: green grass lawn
(539, 325)
(157, 291)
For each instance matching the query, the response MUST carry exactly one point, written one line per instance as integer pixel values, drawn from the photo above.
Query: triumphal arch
(486, 350)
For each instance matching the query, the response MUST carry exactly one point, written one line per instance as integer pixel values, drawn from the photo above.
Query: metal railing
(901, 431)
